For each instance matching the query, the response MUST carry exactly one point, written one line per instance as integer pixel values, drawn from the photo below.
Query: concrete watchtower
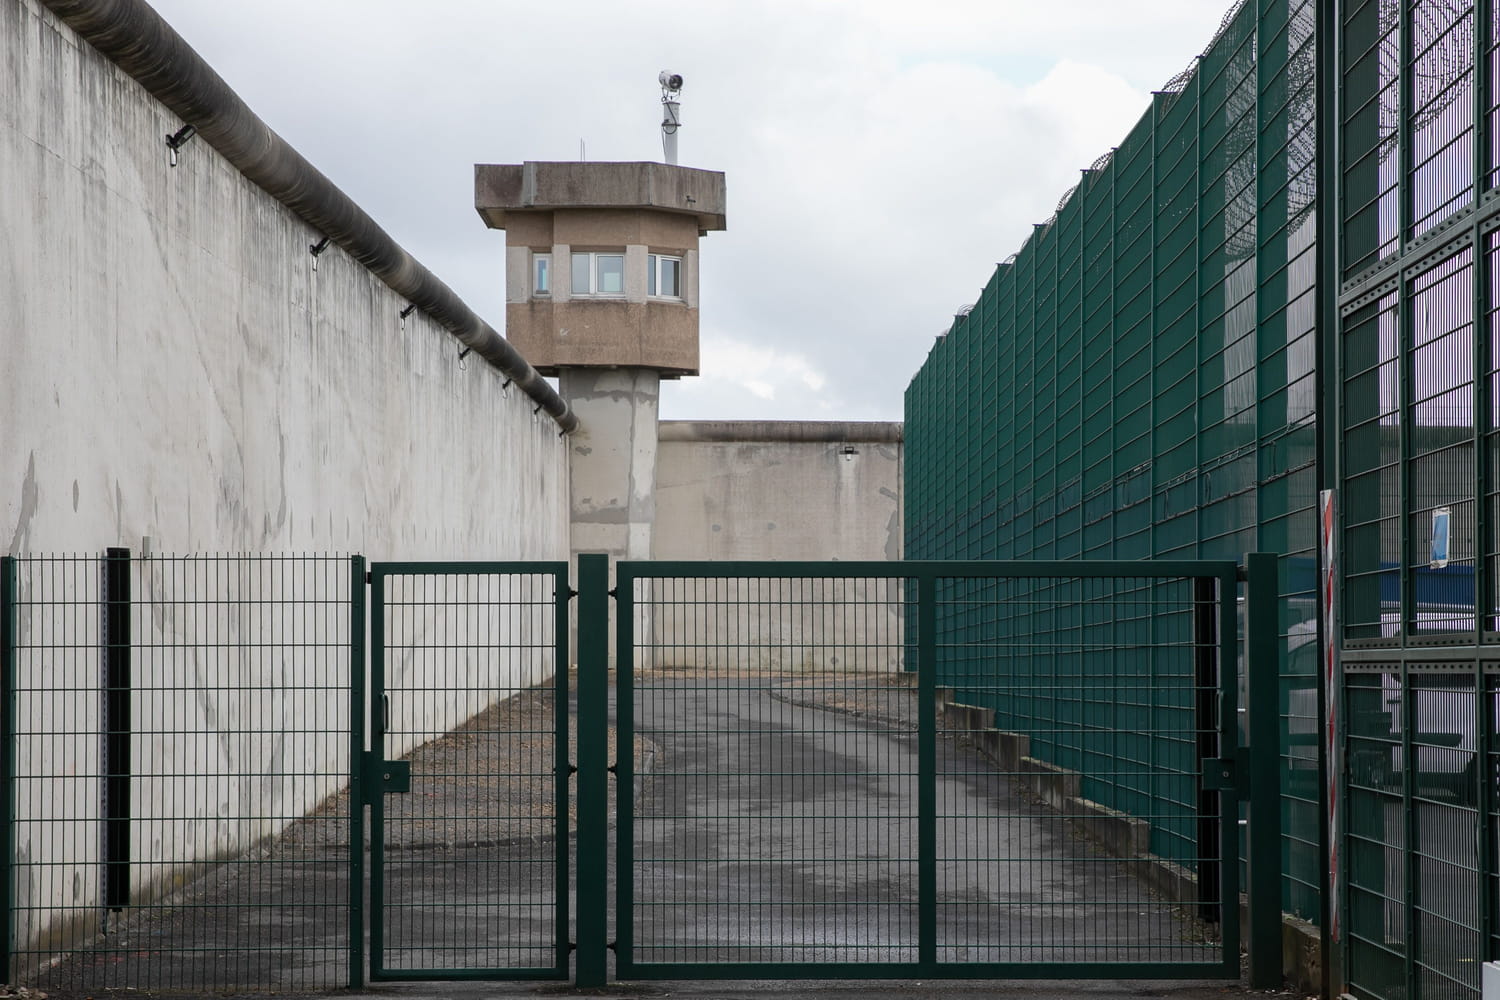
(602, 291)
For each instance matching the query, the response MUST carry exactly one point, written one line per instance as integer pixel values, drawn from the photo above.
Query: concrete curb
(1121, 834)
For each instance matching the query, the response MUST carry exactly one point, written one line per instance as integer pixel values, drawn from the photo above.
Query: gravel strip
(890, 699)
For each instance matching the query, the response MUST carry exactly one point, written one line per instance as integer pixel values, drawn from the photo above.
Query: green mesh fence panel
(1141, 383)
(1416, 387)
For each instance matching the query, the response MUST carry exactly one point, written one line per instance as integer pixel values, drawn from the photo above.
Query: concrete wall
(773, 490)
(778, 490)
(173, 366)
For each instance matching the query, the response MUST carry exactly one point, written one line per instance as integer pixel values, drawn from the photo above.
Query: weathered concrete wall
(174, 367)
(778, 490)
(773, 490)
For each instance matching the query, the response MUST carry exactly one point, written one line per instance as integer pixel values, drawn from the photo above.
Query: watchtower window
(598, 274)
(541, 277)
(663, 276)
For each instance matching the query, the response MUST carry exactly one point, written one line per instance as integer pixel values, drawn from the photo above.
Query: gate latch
(1227, 774)
(395, 776)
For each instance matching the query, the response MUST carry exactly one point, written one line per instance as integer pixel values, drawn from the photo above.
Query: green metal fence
(1415, 360)
(817, 791)
(187, 774)
(1184, 267)
(1138, 380)
(180, 732)
(186, 771)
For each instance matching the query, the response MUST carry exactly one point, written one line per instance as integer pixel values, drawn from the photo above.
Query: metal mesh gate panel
(183, 738)
(863, 770)
(469, 808)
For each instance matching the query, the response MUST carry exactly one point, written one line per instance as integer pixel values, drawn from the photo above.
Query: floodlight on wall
(176, 140)
(316, 249)
(671, 118)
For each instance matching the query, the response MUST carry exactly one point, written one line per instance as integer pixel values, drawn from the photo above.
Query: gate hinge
(572, 769)
(572, 946)
(614, 946)
(572, 593)
(1228, 774)
(369, 577)
(615, 593)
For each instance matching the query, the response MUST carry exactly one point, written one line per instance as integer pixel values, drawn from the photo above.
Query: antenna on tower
(671, 120)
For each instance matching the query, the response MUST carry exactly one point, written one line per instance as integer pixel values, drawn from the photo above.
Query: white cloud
(734, 370)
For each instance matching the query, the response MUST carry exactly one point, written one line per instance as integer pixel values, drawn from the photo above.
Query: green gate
(854, 770)
(926, 769)
(468, 777)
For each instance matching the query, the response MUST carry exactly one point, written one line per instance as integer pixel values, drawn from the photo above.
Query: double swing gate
(300, 773)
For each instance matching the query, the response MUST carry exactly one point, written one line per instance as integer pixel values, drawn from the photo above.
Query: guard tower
(602, 291)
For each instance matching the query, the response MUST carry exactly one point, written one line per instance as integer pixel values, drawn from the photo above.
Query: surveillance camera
(670, 81)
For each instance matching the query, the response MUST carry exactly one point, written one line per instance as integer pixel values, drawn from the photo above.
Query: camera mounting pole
(671, 120)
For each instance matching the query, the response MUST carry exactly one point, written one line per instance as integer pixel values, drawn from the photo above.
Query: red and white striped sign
(1331, 695)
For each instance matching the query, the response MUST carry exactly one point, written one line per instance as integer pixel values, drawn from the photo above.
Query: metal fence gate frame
(434, 583)
(236, 671)
(1235, 774)
(377, 771)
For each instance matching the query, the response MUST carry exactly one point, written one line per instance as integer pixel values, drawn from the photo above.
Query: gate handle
(385, 714)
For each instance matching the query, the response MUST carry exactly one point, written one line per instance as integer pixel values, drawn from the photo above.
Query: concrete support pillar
(612, 459)
(612, 468)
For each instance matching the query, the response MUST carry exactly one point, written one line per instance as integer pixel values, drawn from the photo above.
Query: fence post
(562, 760)
(118, 726)
(927, 772)
(592, 959)
(1263, 846)
(358, 771)
(1211, 819)
(9, 622)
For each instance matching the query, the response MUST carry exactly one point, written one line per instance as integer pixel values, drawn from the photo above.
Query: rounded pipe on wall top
(134, 37)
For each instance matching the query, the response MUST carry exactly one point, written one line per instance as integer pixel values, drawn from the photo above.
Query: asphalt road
(770, 831)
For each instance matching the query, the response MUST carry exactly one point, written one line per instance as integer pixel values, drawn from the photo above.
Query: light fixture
(316, 249)
(176, 140)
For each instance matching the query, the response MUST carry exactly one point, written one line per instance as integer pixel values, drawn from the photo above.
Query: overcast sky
(880, 157)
